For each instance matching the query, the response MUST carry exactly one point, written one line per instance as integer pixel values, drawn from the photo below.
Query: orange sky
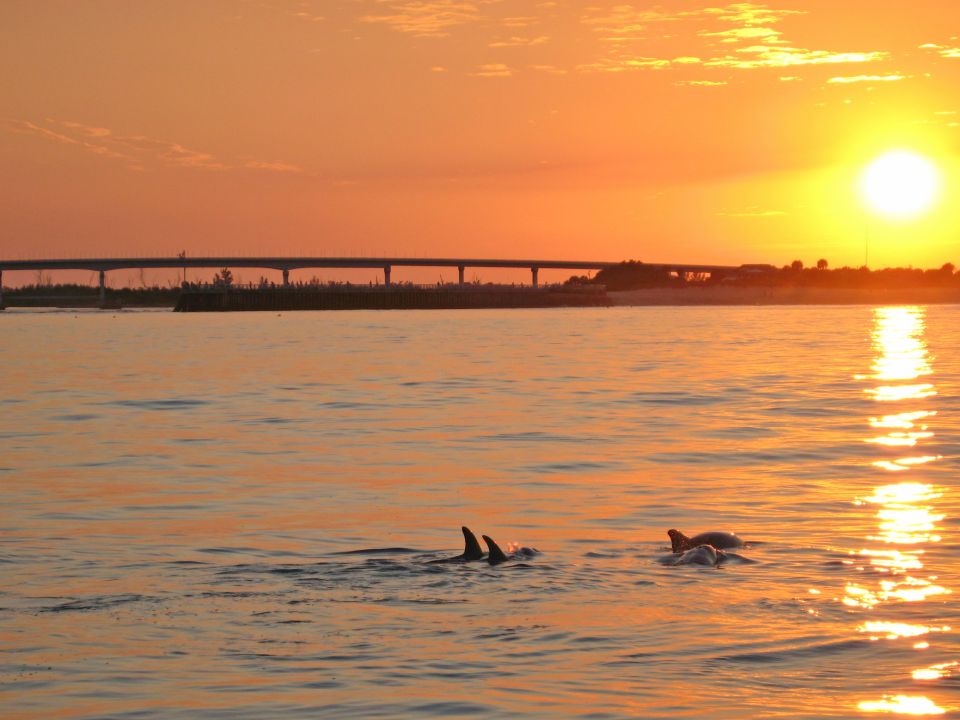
(684, 131)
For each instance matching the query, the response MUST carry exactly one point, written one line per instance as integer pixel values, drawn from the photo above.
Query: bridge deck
(295, 263)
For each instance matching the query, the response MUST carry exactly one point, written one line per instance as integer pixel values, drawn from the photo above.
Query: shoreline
(686, 296)
(784, 296)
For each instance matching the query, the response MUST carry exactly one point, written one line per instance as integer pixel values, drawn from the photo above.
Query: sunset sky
(680, 131)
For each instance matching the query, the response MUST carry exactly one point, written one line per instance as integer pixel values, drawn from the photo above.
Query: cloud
(138, 151)
(749, 14)
(753, 212)
(87, 130)
(493, 70)
(423, 18)
(943, 50)
(624, 23)
(550, 69)
(274, 166)
(519, 22)
(517, 41)
(618, 65)
(740, 36)
(763, 56)
(25, 126)
(300, 9)
(702, 83)
(844, 80)
(744, 33)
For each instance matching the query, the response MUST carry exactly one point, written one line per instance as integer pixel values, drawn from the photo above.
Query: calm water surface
(181, 496)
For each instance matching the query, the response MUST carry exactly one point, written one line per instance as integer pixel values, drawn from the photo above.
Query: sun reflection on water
(905, 463)
(935, 672)
(898, 335)
(903, 705)
(896, 630)
(906, 515)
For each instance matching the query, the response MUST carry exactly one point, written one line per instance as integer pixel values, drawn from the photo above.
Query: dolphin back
(701, 555)
(678, 541)
(719, 540)
(495, 556)
(471, 546)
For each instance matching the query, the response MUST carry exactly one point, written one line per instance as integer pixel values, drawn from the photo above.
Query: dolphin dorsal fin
(678, 541)
(496, 556)
(471, 546)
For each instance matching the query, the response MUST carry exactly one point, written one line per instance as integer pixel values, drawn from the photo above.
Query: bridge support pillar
(535, 271)
(460, 269)
(286, 276)
(103, 289)
(386, 275)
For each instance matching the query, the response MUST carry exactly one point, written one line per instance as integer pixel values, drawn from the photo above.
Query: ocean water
(232, 516)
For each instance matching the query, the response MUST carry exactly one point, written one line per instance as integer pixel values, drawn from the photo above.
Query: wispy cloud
(624, 23)
(625, 64)
(702, 83)
(519, 22)
(550, 69)
(742, 36)
(763, 56)
(845, 80)
(750, 14)
(753, 212)
(946, 51)
(517, 41)
(493, 70)
(28, 127)
(274, 166)
(137, 151)
(734, 35)
(424, 18)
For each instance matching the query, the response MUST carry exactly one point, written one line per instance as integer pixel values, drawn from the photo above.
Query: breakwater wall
(220, 299)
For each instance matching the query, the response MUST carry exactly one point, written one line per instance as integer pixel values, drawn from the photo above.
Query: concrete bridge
(286, 264)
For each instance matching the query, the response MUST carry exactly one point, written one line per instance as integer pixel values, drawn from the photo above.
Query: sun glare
(901, 183)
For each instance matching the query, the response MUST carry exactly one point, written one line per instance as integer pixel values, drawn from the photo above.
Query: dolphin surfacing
(701, 555)
(706, 555)
(497, 556)
(680, 543)
(471, 549)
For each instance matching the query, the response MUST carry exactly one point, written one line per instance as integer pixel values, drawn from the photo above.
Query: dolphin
(471, 549)
(717, 540)
(705, 555)
(701, 555)
(497, 556)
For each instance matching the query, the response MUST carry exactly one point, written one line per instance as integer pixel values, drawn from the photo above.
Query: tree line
(635, 275)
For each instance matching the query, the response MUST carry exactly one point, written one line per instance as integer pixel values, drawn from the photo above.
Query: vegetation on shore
(628, 275)
(75, 294)
(634, 275)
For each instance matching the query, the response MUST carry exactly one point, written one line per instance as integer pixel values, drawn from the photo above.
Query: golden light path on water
(906, 512)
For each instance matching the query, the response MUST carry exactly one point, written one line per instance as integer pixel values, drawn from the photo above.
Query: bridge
(286, 264)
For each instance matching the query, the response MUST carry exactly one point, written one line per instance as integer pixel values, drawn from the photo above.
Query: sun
(901, 183)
